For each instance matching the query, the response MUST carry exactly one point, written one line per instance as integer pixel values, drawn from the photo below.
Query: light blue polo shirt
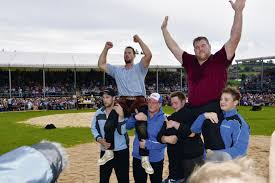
(130, 82)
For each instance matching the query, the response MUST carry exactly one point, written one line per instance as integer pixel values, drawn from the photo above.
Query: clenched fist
(108, 45)
(136, 38)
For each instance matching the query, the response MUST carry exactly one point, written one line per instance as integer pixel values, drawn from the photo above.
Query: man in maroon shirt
(206, 72)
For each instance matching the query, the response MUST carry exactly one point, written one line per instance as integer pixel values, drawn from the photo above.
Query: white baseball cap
(156, 96)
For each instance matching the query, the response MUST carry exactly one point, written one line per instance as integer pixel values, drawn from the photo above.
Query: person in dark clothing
(185, 151)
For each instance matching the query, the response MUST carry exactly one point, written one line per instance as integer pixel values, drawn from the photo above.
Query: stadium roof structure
(73, 60)
(256, 59)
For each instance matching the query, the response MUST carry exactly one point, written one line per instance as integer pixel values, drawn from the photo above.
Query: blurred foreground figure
(42, 162)
(232, 171)
(272, 159)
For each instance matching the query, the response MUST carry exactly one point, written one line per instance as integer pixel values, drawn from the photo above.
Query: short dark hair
(234, 92)
(199, 39)
(130, 47)
(178, 94)
(109, 91)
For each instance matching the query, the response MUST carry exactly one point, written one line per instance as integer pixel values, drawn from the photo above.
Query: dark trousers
(176, 171)
(129, 107)
(141, 129)
(110, 128)
(140, 176)
(120, 164)
(189, 165)
(210, 131)
(180, 168)
(213, 106)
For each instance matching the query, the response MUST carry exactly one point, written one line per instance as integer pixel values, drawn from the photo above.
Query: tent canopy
(73, 60)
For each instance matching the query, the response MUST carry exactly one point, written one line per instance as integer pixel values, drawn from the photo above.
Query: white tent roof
(72, 60)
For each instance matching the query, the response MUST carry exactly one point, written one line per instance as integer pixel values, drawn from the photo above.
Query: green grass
(13, 134)
(233, 83)
(260, 122)
(167, 109)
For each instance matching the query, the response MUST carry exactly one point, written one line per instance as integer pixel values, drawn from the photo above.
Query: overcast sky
(83, 26)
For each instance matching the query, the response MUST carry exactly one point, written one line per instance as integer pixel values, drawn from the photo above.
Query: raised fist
(136, 38)
(109, 45)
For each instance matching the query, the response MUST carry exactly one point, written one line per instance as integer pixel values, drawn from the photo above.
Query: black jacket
(189, 147)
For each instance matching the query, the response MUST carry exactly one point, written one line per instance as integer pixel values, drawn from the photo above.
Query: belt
(131, 97)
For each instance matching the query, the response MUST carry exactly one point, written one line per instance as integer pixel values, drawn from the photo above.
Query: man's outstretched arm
(146, 51)
(102, 61)
(170, 42)
(236, 30)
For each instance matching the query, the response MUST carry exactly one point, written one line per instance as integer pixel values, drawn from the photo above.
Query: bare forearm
(145, 49)
(172, 44)
(236, 29)
(103, 59)
(146, 59)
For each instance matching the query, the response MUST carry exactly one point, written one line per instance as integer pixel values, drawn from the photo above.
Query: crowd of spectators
(264, 99)
(254, 83)
(30, 84)
(37, 103)
(62, 103)
(28, 94)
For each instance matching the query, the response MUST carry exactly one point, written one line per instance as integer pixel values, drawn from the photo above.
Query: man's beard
(127, 61)
(203, 57)
(107, 105)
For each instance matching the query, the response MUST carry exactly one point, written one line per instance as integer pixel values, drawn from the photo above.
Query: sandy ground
(63, 120)
(83, 158)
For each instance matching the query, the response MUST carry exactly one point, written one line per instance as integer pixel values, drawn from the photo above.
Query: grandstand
(45, 80)
(255, 74)
(44, 68)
